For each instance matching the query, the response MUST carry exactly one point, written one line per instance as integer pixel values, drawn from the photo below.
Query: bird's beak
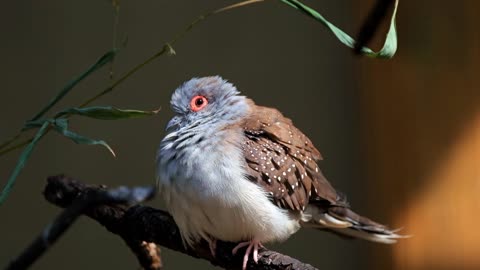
(173, 123)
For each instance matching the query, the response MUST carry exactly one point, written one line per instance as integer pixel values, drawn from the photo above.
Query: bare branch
(143, 227)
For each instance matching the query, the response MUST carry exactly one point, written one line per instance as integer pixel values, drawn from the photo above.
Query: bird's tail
(343, 221)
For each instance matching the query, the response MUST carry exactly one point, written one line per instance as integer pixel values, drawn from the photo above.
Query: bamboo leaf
(22, 160)
(107, 113)
(106, 58)
(61, 126)
(389, 48)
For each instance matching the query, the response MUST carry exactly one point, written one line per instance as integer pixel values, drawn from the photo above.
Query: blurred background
(401, 137)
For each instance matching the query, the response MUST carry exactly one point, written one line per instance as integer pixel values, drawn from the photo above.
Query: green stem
(16, 146)
(165, 48)
(11, 140)
(123, 78)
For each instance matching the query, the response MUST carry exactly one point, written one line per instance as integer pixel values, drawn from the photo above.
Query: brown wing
(283, 161)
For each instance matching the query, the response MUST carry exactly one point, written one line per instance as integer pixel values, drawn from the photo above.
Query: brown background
(400, 137)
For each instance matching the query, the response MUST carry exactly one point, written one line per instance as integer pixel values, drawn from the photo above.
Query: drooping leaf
(22, 160)
(107, 113)
(106, 58)
(389, 47)
(61, 126)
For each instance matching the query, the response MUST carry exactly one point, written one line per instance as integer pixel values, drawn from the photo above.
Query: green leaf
(170, 50)
(61, 126)
(107, 113)
(389, 48)
(106, 58)
(22, 161)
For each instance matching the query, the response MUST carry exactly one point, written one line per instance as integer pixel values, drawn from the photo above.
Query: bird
(231, 170)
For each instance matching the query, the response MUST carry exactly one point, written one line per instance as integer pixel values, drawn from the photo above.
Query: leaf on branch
(389, 47)
(107, 113)
(61, 126)
(106, 58)
(22, 161)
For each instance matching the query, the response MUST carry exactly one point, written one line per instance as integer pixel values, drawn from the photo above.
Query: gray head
(207, 100)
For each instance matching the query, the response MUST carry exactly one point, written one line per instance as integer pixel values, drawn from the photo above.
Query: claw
(252, 244)
(212, 244)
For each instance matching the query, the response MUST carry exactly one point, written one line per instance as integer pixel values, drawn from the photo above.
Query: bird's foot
(252, 244)
(212, 244)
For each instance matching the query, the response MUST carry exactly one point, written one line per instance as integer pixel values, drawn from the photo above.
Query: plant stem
(16, 146)
(166, 48)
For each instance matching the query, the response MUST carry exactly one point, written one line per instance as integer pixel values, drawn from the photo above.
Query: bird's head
(206, 100)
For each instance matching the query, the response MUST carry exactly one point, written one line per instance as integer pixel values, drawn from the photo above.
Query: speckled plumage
(236, 171)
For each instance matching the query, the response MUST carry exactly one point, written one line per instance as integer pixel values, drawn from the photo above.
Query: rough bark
(145, 228)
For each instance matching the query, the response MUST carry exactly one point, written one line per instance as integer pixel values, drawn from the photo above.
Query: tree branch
(143, 227)
(77, 205)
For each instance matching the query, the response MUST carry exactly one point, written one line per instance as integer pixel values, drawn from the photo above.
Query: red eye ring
(198, 102)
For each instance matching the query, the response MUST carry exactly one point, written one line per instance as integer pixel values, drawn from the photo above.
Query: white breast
(207, 193)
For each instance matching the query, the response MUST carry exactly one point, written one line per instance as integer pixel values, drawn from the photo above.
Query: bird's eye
(198, 102)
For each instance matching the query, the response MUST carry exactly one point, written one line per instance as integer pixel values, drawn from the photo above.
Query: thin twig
(166, 48)
(116, 19)
(16, 146)
(10, 140)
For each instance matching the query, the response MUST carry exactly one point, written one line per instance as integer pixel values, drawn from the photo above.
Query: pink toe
(239, 246)
(255, 255)
(245, 258)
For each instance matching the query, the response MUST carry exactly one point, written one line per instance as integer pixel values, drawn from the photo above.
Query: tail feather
(343, 221)
(388, 237)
